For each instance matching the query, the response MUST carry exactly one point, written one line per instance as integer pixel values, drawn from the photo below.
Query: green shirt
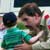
(13, 37)
(21, 26)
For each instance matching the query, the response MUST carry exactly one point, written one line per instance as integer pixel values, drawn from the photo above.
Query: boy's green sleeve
(3, 45)
(26, 37)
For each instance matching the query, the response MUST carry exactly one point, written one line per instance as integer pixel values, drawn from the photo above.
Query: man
(31, 15)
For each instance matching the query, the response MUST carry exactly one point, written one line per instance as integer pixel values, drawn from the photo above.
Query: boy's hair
(9, 19)
(30, 9)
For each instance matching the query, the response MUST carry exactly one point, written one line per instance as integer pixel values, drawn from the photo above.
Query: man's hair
(9, 19)
(30, 9)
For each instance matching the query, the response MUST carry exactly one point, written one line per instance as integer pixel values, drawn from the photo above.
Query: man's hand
(23, 47)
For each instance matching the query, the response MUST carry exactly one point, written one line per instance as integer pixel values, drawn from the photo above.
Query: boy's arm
(35, 38)
(30, 39)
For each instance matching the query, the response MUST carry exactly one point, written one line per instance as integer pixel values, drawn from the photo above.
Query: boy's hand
(40, 33)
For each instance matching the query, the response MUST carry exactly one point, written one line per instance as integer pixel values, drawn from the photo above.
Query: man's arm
(2, 49)
(23, 47)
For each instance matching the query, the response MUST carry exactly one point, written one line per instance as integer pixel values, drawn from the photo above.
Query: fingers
(19, 45)
(22, 47)
(18, 48)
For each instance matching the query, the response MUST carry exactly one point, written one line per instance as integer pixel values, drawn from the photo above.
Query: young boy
(14, 36)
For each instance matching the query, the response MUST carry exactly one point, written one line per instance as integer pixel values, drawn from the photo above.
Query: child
(14, 36)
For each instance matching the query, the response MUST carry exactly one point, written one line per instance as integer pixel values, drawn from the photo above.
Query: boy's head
(9, 19)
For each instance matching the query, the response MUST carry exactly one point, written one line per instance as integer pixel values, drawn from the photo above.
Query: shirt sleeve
(26, 37)
(3, 45)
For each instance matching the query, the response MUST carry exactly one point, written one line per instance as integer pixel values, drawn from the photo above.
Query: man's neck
(36, 29)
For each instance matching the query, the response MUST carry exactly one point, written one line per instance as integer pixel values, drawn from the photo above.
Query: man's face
(30, 21)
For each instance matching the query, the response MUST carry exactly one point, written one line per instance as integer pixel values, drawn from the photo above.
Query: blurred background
(15, 5)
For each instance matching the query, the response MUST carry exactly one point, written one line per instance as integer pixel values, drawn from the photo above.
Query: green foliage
(21, 25)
